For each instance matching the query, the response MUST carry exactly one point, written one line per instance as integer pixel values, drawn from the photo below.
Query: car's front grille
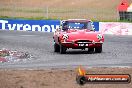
(83, 42)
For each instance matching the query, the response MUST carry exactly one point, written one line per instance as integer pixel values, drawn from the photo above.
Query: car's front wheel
(56, 48)
(62, 49)
(90, 50)
(98, 49)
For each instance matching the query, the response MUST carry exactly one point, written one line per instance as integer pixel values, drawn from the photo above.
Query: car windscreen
(77, 25)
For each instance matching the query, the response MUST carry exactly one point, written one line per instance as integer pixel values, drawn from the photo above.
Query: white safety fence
(116, 28)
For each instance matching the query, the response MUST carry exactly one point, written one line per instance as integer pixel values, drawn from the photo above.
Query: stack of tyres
(122, 8)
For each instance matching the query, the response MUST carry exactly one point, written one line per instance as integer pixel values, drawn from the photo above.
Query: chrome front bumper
(82, 42)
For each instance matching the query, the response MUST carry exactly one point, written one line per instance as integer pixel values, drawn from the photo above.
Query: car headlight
(99, 36)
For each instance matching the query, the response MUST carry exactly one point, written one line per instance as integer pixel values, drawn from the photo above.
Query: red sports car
(77, 34)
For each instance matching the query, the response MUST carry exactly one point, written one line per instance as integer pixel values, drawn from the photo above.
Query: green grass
(43, 18)
(27, 18)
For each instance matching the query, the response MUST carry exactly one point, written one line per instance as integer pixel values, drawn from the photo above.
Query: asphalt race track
(117, 51)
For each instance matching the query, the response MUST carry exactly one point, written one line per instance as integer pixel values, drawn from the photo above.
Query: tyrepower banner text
(30, 25)
(116, 28)
(34, 25)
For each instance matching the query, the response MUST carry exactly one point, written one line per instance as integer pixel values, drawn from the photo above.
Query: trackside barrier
(116, 28)
(34, 25)
(30, 25)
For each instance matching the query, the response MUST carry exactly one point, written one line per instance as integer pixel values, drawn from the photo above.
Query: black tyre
(56, 48)
(62, 49)
(90, 50)
(98, 49)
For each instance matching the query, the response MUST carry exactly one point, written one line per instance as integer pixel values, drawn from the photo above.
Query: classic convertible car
(77, 34)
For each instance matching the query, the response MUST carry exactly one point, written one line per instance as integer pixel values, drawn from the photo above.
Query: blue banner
(30, 25)
(96, 26)
(34, 25)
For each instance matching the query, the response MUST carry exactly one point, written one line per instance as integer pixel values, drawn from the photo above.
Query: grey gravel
(117, 51)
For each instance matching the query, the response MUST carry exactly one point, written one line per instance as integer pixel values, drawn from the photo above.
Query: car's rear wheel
(56, 48)
(90, 50)
(62, 49)
(98, 49)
